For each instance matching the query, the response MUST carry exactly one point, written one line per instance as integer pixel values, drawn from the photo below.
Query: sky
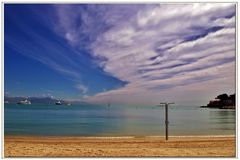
(120, 53)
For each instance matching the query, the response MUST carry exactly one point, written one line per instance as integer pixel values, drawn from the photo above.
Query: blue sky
(120, 53)
(40, 62)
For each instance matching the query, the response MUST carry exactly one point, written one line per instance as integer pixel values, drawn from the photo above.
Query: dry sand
(36, 146)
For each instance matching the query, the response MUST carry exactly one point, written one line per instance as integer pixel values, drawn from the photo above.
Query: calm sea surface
(93, 120)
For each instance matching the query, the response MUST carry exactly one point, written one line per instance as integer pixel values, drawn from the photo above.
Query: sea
(116, 120)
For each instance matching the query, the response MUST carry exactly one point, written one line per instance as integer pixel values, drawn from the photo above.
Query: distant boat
(58, 103)
(69, 104)
(6, 102)
(24, 102)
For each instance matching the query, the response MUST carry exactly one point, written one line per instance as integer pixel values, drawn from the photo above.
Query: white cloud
(162, 49)
(47, 95)
(83, 89)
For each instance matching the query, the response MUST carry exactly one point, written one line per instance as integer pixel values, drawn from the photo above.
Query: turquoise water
(93, 120)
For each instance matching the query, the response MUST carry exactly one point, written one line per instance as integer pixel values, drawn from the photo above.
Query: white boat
(24, 102)
(58, 103)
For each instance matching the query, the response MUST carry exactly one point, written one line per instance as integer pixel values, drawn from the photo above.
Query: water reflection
(222, 120)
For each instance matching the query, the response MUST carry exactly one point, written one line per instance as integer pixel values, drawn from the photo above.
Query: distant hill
(36, 100)
(222, 101)
(40, 100)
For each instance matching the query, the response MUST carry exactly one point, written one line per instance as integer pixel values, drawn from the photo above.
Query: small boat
(58, 103)
(69, 104)
(6, 102)
(24, 102)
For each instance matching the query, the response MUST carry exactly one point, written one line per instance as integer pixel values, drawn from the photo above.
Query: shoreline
(120, 146)
(130, 136)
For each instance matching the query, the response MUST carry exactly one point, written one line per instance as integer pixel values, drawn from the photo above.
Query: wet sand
(37, 146)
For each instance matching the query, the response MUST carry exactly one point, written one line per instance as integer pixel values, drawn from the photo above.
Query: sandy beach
(192, 146)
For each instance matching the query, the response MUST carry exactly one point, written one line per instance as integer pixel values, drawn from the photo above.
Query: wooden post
(166, 118)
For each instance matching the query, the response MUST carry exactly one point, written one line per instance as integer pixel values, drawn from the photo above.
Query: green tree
(222, 97)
